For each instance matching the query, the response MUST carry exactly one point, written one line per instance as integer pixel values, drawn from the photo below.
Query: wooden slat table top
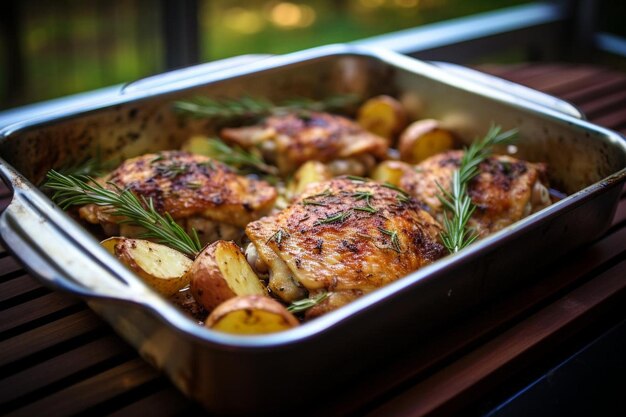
(59, 358)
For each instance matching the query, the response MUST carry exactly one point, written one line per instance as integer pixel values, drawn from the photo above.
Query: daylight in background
(54, 48)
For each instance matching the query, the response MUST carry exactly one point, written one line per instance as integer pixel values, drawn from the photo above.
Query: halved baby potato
(251, 314)
(309, 173)
(221, 272)
(423, 139)
(198, 145)
(382, 115)
(390, 172)
(161, 267)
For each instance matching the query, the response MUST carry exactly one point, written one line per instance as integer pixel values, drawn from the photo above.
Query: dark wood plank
(91, 391)
(493, 317)
(442, 391)
(606, 84)
(615, 120)
(48, 335)
(165, 402)
(553, 81)
(34, 309)
(604, 104)
(18, 286)
(59, 367)
(8, 265)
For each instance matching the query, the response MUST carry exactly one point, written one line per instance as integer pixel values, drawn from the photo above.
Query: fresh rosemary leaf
(395, 188)
(395, 241)
(278, 236)
(90, 167)
(357, 178)
(335, 218)
(365, 195)
(251, 107)
(71, 191)
(456, 202)
(306, 303)
(402, 198)
(239, 158)
(308, 202)
(368, 209)
(171, 170)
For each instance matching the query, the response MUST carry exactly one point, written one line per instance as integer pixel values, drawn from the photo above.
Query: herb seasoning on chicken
(347, 237)
(196, 191)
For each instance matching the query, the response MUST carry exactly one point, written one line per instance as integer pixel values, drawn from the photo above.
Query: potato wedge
(220, 272)
(252, 314)
(197, 145)
(383, 116)
(390, 171)
(161, 267)
(309, 173)
(423, 139)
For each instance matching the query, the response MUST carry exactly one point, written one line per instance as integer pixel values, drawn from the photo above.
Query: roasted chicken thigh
(195, 190)
(291, 140)
(505, 190)
(344, 236)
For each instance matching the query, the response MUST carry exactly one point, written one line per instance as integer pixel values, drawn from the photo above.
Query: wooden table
(59, 358)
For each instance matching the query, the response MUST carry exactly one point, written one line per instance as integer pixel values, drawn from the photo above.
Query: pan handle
(509, 87)
(55, 249)
(188, 73)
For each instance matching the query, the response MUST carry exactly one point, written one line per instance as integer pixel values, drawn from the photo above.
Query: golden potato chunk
(309, 173)
(221, 272)
(423, 139)
(253, 314)
(383, 116)
(390, 172)
(161, 267)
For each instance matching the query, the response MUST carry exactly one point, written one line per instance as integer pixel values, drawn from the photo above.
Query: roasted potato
(251, 314)
(383, 116)
(390, 172)
(423, 139)
(220, 272)
(161, 267)
(309, 173)
(198, 145)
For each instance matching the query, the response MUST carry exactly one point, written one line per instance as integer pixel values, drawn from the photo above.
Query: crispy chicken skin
(346, 237)
(506, 189)
(191, 188)
(295, 139)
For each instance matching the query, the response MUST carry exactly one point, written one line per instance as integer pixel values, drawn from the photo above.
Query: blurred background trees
(51, 48)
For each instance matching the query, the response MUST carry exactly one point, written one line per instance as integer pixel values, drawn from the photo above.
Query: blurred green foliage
(69, 46)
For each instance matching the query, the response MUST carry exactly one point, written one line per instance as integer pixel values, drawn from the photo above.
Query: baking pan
(313, 364)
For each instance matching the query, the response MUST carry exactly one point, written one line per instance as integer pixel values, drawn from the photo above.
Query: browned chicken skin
(346, 237)
(506, 189)
(294, 139)
(193, 189)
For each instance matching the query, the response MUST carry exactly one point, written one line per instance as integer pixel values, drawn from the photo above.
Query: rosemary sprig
(253, 108)
(335, 218)
(278, 236)
(89, 167)
(309, 200)
(395, 241)
(367, 196)
(395, 188)
(70, 191)
(456, 234)
(306, 303)
(238, 158)
(171, 170)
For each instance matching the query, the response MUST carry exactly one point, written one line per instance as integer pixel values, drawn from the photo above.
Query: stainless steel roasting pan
(320, 361)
